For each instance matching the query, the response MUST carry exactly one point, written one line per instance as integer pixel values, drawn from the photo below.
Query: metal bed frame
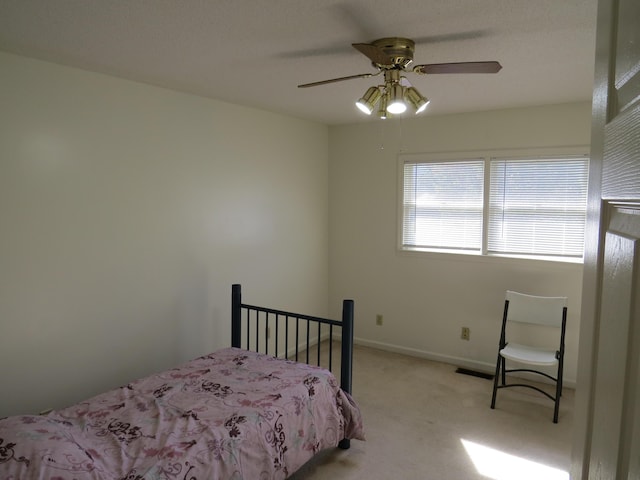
(263, 318)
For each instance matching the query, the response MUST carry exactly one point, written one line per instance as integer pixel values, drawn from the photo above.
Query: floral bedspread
(229, 415)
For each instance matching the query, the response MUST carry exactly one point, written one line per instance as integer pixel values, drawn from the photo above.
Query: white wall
(426, 299)
(126, 213)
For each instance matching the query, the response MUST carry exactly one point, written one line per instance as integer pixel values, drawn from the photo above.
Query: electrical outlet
(378, 319)
(465, 333)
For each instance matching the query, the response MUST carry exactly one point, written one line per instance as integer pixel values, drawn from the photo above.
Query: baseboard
(439, 357)
(302, 345)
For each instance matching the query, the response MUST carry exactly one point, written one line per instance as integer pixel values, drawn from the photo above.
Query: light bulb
(396, 103)
(396, 107)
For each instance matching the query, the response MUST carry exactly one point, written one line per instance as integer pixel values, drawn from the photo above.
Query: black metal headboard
(259, 320)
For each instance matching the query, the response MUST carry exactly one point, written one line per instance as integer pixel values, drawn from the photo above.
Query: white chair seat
(527, 354)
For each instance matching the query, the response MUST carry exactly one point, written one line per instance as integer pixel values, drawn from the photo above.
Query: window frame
(580, 151)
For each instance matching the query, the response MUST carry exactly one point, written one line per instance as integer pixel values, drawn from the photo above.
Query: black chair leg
(495, 382)
(556, 408)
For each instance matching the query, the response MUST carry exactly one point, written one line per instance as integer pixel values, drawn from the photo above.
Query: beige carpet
(419, 415)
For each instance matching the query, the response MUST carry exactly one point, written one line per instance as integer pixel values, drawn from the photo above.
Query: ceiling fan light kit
(393, 98)
(418, 101)
(382, 108)
(393, 56)
(369, 100)
(396, 104)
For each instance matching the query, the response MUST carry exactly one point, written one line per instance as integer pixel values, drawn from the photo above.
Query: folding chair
(541, 311)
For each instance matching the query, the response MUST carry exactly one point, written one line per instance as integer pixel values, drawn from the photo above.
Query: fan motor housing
(399, 50)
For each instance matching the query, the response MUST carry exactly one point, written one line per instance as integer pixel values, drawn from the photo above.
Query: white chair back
(536, 310)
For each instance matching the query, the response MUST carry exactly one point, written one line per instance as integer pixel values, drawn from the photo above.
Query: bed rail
(294, 334)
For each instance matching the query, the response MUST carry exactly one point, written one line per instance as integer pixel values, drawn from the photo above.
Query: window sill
(465, 255)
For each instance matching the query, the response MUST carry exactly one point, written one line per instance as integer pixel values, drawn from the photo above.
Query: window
(443, 203)
(495, 205)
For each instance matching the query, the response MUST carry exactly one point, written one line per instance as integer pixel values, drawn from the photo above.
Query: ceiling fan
(392, 57)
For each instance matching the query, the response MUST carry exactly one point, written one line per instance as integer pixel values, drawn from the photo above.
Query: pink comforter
(233, 414)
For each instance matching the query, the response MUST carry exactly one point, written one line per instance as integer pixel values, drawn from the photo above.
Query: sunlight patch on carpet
(499, 465)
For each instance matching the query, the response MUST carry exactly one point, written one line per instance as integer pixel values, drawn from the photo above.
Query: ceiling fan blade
(375, 54)
(317, 52)
(333, 80)
(452, 37)
(359, 20)
(460, 67)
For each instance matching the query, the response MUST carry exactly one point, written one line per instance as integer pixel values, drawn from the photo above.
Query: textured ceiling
(256, 52)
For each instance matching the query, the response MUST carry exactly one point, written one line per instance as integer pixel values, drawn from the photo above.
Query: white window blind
(443, 204)
(538, 207)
